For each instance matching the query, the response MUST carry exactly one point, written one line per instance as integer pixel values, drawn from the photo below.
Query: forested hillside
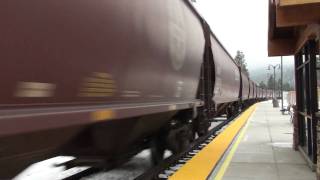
(264, 75)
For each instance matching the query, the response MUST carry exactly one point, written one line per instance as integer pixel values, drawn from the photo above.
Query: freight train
(103, 79)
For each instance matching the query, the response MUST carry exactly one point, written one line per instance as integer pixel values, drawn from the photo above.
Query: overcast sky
(241, 25)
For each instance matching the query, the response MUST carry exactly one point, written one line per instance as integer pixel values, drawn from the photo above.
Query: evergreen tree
(287, 87)
(278, 84)
(270, 82)
(240, 59)
(262, 85)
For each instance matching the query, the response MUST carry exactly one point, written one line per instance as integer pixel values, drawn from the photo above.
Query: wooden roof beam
(297, 15)
(285, 3)
(281, 47)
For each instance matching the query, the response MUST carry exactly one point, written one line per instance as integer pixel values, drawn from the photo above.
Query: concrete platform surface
(265, 152)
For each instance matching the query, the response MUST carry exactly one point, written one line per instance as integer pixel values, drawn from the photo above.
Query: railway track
(173, 163)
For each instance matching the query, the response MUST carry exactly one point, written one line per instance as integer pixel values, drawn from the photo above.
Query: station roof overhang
(291, 24)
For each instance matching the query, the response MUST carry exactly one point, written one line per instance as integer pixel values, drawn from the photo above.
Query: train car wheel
(201, 125)
(157, 151)
(179, 139)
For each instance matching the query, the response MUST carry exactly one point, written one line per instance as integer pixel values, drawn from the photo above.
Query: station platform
(261, 149)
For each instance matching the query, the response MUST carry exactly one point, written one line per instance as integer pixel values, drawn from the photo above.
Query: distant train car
(227, 74)
(245, 86)
(252, 90)
(261, 93)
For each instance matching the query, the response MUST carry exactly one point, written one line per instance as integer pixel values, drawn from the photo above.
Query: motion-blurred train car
(105, 79)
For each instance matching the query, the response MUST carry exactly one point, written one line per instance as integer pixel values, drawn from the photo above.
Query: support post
(313, 98)
(295, 128)
(281, 91)
(274, 83)
(299, 98)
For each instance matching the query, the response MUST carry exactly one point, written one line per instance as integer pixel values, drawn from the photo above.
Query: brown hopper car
(106, 78)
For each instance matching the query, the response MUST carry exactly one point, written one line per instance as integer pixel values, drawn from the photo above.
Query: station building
(294, 29)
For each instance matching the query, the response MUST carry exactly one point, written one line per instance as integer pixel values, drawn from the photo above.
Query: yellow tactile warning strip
(201, 165)
(228, 159)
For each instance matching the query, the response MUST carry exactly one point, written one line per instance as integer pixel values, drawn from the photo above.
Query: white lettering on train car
(98, 84)
(34, 89)
(179, 88)
(127, 93)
